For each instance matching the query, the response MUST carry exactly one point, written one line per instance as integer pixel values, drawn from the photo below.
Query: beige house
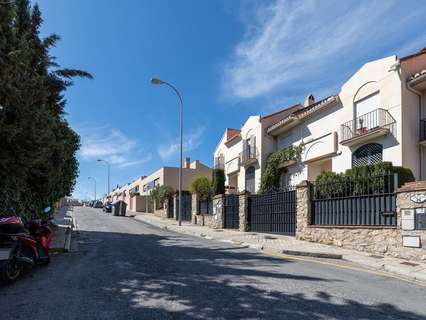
(136, 194)
(378, 115)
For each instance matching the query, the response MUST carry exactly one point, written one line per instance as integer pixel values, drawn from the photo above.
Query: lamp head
(156, 81)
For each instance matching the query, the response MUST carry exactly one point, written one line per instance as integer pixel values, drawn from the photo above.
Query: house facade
(377, 116)
(242, 153)
(136, 193)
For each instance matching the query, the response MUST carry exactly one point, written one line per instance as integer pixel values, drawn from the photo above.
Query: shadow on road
(169, 276)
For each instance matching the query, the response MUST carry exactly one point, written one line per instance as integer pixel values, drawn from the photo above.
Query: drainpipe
(397, 67)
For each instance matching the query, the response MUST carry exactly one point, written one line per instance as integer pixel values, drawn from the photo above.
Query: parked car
(98, 205)
(107, 207)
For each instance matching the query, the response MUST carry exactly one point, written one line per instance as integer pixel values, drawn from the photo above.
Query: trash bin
(120, 208)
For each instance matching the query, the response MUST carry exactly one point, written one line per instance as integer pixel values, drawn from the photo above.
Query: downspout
(397, 67)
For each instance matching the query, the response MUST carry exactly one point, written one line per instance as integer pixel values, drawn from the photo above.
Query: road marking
(336, 265)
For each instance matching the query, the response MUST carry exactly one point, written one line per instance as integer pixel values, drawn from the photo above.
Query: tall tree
(38, 162)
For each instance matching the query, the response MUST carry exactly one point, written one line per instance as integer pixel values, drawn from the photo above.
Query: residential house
(136, 194)
(374, 118)
(242, 153)
(378, 115)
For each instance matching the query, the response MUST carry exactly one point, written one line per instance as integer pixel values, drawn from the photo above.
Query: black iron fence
(205, 206)
(186, 207)
(273, 212)
(366, 123)
(355, 201)
(231, 211)
(423, 130)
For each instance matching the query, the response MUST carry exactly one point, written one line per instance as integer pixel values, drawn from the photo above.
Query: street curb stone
(312, 254)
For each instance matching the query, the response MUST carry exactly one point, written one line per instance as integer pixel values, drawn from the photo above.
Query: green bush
(160, 194)
(202, 186)
(271, 175)
(369, 179)
(218, 182)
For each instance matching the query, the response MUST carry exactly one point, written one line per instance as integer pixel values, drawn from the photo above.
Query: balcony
(423, 132)
(219, 162)
(369, 126)
(249, 155)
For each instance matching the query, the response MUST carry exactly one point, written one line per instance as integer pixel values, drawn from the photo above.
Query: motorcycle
(22, 245)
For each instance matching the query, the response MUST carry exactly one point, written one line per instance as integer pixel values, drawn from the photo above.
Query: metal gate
(186, 207)
(170, 208)
(273, 212)
(232, 211)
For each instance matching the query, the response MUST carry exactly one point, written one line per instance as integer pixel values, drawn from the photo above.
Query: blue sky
(229, 58)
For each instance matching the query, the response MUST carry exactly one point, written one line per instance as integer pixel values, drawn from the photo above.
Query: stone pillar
(219, 210)
(195, 217)
(303, 208)
(243, 198)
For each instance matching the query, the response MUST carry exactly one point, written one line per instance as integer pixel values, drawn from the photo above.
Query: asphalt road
(121, 268)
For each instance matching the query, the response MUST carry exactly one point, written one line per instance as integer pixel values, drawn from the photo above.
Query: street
(120, 268)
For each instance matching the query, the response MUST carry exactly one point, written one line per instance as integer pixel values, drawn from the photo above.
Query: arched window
(368, 154)
(250, 184)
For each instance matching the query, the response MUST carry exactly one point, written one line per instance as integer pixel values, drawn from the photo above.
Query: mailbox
(420, 219)
(407, 219)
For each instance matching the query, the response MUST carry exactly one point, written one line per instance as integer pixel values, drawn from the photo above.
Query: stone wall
(376, 240)
(214, 220)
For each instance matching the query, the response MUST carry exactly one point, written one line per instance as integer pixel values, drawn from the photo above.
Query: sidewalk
(273, 243)
(62, 230)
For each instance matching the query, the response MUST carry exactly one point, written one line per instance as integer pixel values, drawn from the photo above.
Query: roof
(422, 51)
(283, 113)
(231, 134)
(417, 75)
(303, 111)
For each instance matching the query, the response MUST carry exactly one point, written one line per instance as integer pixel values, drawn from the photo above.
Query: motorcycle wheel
(44, 256)
(10, 270)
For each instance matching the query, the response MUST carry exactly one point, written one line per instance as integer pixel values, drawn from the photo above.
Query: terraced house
(377, 116)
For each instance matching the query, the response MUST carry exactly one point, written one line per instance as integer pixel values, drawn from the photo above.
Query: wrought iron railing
(423, 130)
(249, 153)
(367, 123)
(219, 162)
(367, 201)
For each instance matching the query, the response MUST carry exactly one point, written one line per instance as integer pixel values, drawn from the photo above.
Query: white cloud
(111, 145)
(303, 41)
(191, 141)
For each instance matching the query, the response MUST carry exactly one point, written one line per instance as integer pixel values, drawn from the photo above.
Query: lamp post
(109, 172)
(159, 82)
(94, 180)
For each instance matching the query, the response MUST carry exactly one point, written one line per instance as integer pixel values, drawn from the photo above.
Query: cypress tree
(38, 149)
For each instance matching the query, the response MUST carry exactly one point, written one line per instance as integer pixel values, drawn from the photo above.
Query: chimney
(187, 163)
(309, 100)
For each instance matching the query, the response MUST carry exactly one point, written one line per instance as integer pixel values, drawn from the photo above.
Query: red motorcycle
(22, 246)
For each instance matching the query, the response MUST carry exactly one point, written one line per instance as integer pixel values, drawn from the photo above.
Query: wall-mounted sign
(418, 198)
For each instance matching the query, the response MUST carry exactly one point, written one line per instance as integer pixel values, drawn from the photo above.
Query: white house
(378, 115)
(242, 153)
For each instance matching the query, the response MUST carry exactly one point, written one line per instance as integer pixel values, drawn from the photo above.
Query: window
(250, 181)
(368, 154)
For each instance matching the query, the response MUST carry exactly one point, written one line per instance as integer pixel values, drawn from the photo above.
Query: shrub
(271, 175)
(202, 186)
(218, 182)
(369, 179)
(160, 194)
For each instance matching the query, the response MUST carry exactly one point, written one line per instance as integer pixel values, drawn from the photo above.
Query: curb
(312, 254)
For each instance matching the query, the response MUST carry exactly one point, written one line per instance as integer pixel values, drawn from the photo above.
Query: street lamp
(109, 171)
(94, 180)
(159, 82)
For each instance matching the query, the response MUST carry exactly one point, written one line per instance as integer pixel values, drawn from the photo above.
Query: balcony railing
(219, 163)
(248, 155)
(423, 130)
(378, 121)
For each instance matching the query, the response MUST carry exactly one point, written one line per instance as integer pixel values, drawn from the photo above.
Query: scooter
(22, 246)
